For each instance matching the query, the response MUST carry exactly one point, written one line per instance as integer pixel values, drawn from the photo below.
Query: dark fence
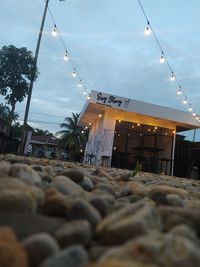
(187, 159)
(8, 144)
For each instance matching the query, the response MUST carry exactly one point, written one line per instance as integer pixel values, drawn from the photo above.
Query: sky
(106, 42)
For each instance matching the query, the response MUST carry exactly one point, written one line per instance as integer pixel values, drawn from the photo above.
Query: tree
(42, 132)
(5, 113)
(73, 138)
(17, 68)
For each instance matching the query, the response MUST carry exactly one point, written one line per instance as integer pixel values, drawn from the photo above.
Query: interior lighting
(74, 73)
(162, 58)
(66, 57)
(149, 130)
(174, 132)
(155, 127)
(90, 123)
(172, 78)
(119, 121)
(54, 32)
(138, 124)
(147, 30)
(100, 115)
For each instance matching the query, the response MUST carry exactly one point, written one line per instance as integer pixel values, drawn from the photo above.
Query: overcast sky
(107, 44)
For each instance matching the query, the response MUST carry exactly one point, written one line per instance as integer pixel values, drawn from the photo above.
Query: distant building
(47, 142)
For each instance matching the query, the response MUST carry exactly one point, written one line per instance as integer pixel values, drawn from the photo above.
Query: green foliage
(17, 68)
(138, 168)
(5, 113)
(72, 138)
(37, 131)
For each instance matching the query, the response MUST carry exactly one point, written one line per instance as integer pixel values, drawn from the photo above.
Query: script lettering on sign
(111, 101)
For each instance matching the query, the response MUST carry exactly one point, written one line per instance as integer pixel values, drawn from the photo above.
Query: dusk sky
(106, 42)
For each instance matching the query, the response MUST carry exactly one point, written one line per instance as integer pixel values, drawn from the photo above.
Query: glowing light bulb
(190, 108)
(185, 101)
(84, 92)
(147, 30)
(100, 115)
(172, 78)
(194, 113)
(88, 97)
(54, 32)
(66, 57)
(179, 92)
(162, 58)
(197, 118)
(80, 84)
(74, 73)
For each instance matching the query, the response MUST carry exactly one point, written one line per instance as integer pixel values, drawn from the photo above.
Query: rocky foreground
(55, 214)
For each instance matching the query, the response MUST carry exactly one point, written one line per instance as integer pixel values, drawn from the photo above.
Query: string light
(54, 32)
(172, 78)
(80, 84)
(74, 73)
(194, 113)
(185, 101)
(66, 56)
(162, 58)
(147, 30)
(179, 91)
(84, 91)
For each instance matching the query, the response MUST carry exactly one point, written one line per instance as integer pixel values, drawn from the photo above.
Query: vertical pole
(194, 135)
(23, 139)
(173, 152)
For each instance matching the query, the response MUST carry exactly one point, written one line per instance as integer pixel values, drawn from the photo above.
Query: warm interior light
(138, 124)
(100, 115)
(119, 121)
(155, 127)
(174, 132)
(90, 123)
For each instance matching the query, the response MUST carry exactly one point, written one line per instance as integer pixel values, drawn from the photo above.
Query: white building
(124, 131)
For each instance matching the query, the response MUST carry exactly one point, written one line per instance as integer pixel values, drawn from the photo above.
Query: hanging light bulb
(88, 97)
(147, 30)
(80, 84)
(197, 118)
(190, 108)
(162, 58)
(66, 57)
(74, 73)
(84, 91)
(179, 91)
(185, 101)
(194, 113)
(172, 78)
(54, 32)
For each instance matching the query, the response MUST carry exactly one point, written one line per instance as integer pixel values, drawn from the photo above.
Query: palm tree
(42, 132)
(5, 113)
(72, 138)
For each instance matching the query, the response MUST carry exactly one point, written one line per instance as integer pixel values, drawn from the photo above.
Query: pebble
(12, 253)
(65, 214)
(72, 256)
(76, 231)
(25, 173)
(39, 247)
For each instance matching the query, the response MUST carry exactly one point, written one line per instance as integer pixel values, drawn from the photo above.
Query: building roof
(48, 139)
(134, 110)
